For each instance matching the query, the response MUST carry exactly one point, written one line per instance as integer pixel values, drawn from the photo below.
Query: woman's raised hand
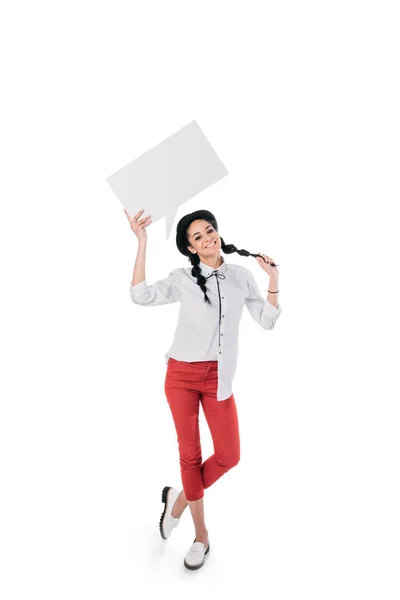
(138, 227)
(265, 263)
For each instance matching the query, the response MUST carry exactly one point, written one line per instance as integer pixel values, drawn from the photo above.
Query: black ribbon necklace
(217, 274)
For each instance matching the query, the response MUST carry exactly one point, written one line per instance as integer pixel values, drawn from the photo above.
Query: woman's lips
(211, 245)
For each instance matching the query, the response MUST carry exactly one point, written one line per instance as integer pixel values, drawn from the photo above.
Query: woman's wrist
(273, 287)
(273, 284)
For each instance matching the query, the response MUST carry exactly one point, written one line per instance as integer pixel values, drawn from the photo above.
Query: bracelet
(273, 292)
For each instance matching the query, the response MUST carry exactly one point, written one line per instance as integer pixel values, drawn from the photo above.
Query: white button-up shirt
(209, 332)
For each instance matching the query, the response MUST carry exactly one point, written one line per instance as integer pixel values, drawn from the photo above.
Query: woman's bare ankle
(179, 506)
(202, 536)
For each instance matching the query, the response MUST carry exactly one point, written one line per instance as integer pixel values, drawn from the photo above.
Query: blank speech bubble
(168, 175)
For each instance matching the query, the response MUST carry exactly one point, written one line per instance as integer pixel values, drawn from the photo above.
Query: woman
(202, 359)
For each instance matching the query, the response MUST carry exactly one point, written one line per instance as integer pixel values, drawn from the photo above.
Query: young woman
(203, 357)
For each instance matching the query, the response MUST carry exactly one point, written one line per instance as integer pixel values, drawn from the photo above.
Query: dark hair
(183, 243)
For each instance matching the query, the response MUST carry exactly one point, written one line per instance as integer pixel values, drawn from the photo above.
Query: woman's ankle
(179, 506)
(202, 536)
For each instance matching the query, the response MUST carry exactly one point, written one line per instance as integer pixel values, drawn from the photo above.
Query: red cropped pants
(187, 384)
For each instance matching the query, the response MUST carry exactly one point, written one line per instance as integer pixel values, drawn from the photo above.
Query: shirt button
(222, 334)
(220, 352)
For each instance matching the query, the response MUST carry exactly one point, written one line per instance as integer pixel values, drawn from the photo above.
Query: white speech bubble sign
(168, 175)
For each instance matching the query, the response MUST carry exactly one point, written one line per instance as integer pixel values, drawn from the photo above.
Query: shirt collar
(206, 270)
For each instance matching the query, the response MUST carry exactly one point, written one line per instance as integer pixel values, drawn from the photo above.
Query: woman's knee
(228, 462)
(235, 460)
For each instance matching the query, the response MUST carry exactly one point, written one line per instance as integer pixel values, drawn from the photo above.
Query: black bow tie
(217, 274)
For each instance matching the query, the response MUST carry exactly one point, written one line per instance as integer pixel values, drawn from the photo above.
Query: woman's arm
(139, 270)
(263, 311)
(273, 287)
(164, 291)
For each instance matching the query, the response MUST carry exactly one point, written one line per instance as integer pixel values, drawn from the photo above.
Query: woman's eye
(200, 236)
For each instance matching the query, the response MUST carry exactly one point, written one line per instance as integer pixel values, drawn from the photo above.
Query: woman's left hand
(272, 271)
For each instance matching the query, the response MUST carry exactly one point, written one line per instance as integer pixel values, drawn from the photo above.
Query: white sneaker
(194, 559)
(167, 521)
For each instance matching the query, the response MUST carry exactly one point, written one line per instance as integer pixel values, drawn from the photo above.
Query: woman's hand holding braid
(264, 262)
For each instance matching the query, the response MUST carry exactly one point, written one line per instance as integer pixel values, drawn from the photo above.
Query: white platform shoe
(167, 521)
(194, 559)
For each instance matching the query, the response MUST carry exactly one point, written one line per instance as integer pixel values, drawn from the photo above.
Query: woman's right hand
(138, 227)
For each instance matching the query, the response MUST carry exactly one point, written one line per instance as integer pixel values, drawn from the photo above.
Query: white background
(301, 101)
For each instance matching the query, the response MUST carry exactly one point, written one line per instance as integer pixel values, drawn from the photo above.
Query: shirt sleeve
(164, 291)
(262, 311)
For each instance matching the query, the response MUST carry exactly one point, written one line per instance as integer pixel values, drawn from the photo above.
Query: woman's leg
(222, 419)
(184, 405)
(197, 510)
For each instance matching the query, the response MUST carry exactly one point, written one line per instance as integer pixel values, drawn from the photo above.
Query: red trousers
(186, 385)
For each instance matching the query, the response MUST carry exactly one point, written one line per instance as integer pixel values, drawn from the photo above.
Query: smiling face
(204, 240)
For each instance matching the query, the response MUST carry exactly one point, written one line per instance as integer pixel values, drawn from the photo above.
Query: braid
(196, 272)
(230, 248)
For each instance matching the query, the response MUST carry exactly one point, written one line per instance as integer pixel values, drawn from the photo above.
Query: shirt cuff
(140, 289)
(271, 310)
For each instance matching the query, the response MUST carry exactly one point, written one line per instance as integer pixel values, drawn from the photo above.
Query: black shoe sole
(164, 495)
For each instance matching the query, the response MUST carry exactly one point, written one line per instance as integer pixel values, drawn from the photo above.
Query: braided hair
(183, 244)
